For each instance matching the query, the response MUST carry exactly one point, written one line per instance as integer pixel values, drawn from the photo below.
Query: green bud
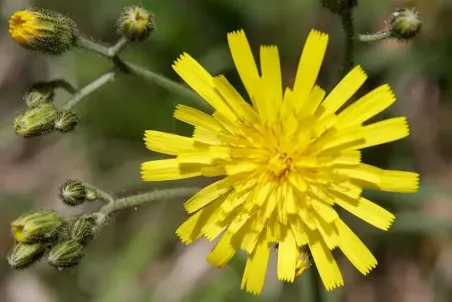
(135, 23)
(43, 30)
(23, 255)
(73, 193)
(405, 24)
(91, 195)
(38, 226)
(40, 92)
(338, 6)
(36, 121)
(83, 229)
(65, 254)
(66, 121)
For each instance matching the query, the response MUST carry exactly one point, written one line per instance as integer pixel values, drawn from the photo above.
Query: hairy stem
(141, 72)
(90, 88)
(145, 198)
(115, 49)
(60, 83)
(378, 36)
(101, 194)
(93, 46)
(349, 33)
(163, 82)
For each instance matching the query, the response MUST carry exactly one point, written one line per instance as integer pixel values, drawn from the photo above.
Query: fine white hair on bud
(36, 121)
(135, 23)
(405, 24)
(40, 92)
(66, 254)
(43, 30)
(66, 121)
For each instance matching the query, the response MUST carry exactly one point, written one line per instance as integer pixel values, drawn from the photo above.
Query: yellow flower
(43, 30)
(288, 159)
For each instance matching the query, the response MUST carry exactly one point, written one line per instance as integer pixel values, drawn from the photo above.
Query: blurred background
(137, 257)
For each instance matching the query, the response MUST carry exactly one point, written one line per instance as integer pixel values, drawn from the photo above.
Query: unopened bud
(36, 121)
(38, 226)
(65, 254)
(23, 255)
(41, 92)
(91, 195)
(73, 193)
(135, 23)
(303, 263)
(43, 30)
(66, 121)
(338, 6)
(83, 229)
(405, 24)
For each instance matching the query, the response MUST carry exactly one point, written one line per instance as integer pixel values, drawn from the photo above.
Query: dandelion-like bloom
(288, 159)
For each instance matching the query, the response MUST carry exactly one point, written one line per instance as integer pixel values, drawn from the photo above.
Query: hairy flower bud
(338, 6)
(43, 30)
(73, 193)
(135, 23)
(83, 229)
(23, 255)
(65, 254)
(40, 92)
(38, 226)
(303, 263)
(405, 24)
(36, 121)
(91, 195)
(66, 121)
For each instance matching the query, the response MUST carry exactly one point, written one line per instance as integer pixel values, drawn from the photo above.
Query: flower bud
(23, 255)
(36, 121)
(83, 229)
(303, 263)
(43, 30)
(135, 23)
(405, 24)
(65, 254)
(38, 226)
(66, 121)
(73, 193)
(338, 6)
(41, 92)
(91, 195)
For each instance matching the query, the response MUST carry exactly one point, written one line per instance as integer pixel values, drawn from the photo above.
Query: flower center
(279, 164)
(16, 21)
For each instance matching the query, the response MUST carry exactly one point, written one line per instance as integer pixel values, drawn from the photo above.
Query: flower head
(36, 121)
(23, 255)
(136, 23)
(37, 226)
(40, 92)
(405, 23)
(66, 121)
(43, 30)
(288, 159)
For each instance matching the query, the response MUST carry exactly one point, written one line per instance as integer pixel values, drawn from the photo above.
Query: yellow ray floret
(288, 160)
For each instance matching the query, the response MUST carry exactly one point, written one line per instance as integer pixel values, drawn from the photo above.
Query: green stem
(349, 32)
(162, 81)
(60, 83)
(145, 198)
(90, 88)
(115, 49)
(101, 194)
(93, 46)
(135, 70)
(378, 36)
